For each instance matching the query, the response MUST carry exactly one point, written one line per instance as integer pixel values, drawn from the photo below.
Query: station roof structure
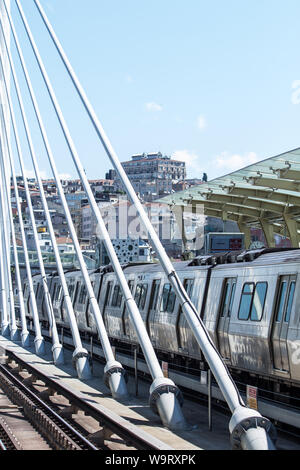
(262, 195)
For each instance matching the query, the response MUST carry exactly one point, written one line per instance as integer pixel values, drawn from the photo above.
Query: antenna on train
(249, 430)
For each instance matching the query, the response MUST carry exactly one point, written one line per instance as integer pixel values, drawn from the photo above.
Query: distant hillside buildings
(152, 175)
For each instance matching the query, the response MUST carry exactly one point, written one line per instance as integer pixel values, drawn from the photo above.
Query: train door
(224, 316)
(281, 321)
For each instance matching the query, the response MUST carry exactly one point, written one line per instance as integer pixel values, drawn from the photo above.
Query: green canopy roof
(264, 194)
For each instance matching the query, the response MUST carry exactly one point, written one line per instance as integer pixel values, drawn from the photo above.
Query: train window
(228, 297)
(281, 301)
(141, 295)
(290, 301)
(82, 295)
(225, 302)
(89, 302)
(41, 292)
(107, 294)
(71, 288)
(117, 297)
(246, 301)
(58, 293)
(154, 295)
(54, 292)
(188, 285)
(164, 299)
(258, 303)
(232, 298)
(37, 290)
(131, 285)
(284, 303)
(76, 293)
(168, 299)
(137, 294)
(28, 302)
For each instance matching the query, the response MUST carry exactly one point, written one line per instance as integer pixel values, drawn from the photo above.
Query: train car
(249, 303)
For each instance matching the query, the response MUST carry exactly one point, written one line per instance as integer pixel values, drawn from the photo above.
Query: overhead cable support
(6, 242)
(114, 372)
(14, 333)
(164, 395)
(80, 355)
(5, 331)
(231, 394)
(39, 340)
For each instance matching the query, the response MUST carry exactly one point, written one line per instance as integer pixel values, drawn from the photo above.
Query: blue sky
(214, 83)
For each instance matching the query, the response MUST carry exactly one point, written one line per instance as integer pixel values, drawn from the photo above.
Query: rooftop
(264, 195)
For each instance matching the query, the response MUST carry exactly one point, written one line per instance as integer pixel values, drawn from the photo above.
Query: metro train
(249, 303)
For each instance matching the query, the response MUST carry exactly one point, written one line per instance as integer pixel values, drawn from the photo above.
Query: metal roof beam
(285, 185)
(250, 192)
(287, 173)
(263, 194)
(239, 209)
(245, 201)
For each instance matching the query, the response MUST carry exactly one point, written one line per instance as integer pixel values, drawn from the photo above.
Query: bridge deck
(136, 409)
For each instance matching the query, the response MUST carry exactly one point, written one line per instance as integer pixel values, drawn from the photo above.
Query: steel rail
(130, 433)
(43, 406)
(7, 438)
(2, 445)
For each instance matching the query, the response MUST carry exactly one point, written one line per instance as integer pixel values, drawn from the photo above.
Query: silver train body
(251, 309)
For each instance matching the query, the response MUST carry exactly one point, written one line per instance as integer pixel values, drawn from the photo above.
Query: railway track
(195, 395)
(8, 440)
(112, 433)
(218, 403)
(57, 431)
(283, 428)
(66, 421)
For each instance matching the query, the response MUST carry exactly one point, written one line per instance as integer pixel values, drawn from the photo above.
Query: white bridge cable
(215, 361)
(4, 306)
(6, 241)
(230, 391)
(80, 354)
(173, 413)
(14, 330)
(39, 342)
(117, 386)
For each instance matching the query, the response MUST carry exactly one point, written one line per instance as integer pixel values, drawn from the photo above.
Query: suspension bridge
(251, 430)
